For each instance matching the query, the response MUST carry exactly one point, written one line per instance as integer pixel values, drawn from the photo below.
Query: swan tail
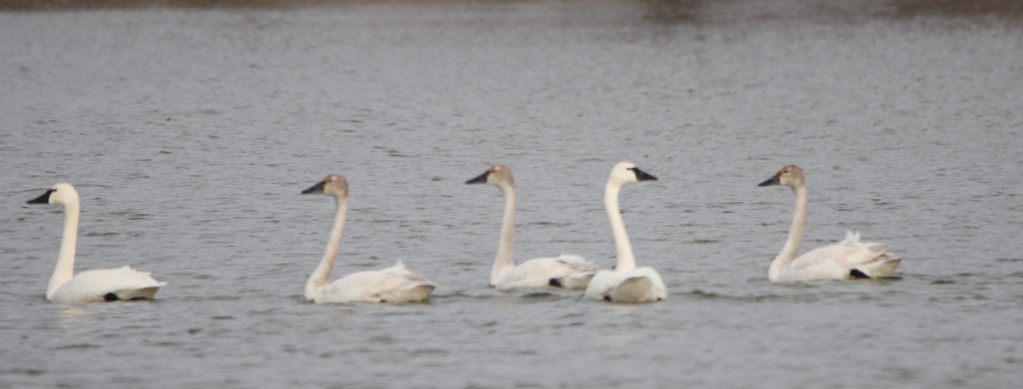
(633, 290)
(414, 294)
(883, 268)
(852, 237)
(140, 294)
(400, 270)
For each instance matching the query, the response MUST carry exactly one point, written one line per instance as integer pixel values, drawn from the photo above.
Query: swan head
(627, 173)
(495, 175)
(60, 194)
(791, 176)
(334, 185)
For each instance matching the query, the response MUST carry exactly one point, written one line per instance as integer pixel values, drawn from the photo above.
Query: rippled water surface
(190, 133)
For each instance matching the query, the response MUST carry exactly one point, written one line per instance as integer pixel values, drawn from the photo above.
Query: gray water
(190, 133)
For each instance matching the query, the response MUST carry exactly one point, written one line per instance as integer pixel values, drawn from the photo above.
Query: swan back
(123, 283)
(847, 259)
(567, 271)
(395, 284)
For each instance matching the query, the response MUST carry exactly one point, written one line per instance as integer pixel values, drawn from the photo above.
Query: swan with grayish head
(395, 284)
(566, 271)
(844, 260)
(123, 283)
(626, 283)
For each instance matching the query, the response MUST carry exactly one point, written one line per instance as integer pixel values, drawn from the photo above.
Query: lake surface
(189, 134)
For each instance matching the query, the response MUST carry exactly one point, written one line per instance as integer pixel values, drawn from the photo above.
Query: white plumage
(837, 262)
(568, 271)
(626, 283)
(395, 284)
(65, 287)
(847, 259)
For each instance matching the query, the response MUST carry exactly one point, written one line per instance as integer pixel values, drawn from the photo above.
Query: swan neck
(626, 261)
(505, 260)
(791, 248)
(65, 269)
(321, 276)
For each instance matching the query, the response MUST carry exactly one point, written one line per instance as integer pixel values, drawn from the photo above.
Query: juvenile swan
(567, 271)
(391, 285)
(626, 283)
(847, 259)
(65, 287)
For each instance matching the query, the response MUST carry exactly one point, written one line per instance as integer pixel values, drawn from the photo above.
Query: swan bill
(776, 180)
(315, 189)
(482, 179)
(642, 175)
(44, 199)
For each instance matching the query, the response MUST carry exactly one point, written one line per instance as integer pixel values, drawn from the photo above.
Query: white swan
(626, 283)
(65, 287)
(392, 285)
(847, 259)
(567, 271)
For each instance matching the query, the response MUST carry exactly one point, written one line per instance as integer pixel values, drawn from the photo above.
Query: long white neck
(66, 261)
(626, 261)
(321, 276)
(788, 253)
(505, 260)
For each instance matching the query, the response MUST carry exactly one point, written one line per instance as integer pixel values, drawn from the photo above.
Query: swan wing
(578, 263)
(538, 273)
(124, 283)
(837, 261)
(392, 284)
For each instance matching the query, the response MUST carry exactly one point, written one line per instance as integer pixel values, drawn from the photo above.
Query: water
(190, 133)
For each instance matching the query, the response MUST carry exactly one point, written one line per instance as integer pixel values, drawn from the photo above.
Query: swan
(395, 284)
(844, 260)
(123, 283)
(626, 283)
(566, 271)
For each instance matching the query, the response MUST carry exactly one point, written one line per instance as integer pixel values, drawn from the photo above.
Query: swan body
(566, 271)
(395, 284)
(67, 288)
(844, 260)
(626, 283)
